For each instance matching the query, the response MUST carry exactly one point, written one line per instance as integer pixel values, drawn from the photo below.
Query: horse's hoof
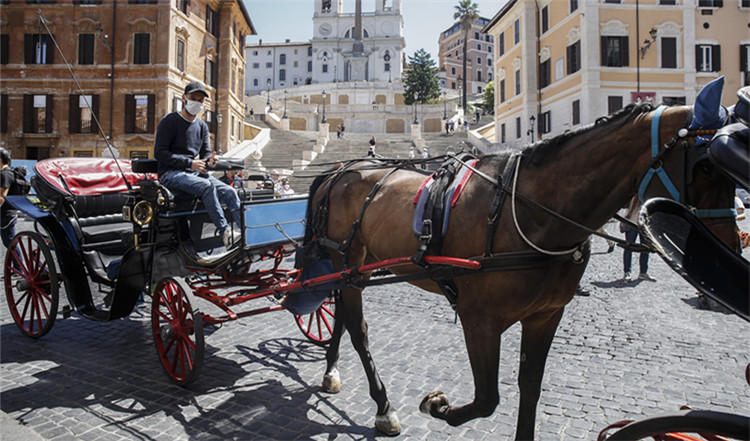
(388, 423)
(434, 399)
(332, 382)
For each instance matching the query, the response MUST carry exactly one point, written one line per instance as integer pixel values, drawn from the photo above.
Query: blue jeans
(631, 235)
(211, 191)
(8, 227)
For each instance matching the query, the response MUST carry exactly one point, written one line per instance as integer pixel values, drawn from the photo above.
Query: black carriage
(113, 236)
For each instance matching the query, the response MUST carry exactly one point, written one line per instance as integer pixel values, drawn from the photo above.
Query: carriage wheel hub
(166, 332)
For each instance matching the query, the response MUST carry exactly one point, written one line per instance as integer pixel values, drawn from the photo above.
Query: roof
(504, 10)
(247, 17)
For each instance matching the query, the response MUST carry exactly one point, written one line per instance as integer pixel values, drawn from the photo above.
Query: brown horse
(586, 176)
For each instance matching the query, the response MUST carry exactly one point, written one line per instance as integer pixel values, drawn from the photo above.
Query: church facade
(345, 46)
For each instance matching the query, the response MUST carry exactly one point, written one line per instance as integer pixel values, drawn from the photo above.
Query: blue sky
(277, 20)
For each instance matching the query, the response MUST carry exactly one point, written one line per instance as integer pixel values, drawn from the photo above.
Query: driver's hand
(198, 165)
(212, 160)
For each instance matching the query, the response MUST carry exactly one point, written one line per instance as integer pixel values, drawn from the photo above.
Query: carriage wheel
(707, 424)
(178, 331)
(31, 284)
(318, 325)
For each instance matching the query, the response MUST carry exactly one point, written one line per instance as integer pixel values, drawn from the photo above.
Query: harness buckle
(426, 230)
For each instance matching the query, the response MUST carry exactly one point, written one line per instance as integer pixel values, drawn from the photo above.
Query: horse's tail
(310, 214)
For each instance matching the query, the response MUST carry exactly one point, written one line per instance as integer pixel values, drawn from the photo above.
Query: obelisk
(358, 60)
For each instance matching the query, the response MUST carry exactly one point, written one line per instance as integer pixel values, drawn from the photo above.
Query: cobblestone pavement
(626, 351)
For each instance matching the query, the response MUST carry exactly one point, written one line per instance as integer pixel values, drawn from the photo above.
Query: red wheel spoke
(325, 321)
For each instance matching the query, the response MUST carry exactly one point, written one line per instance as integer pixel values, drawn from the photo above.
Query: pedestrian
(631, 235)
(252, 114)
(478, 115)
(286, 190)
(466, 126)
(411, 152)
(232, 178)
(452, 126)
(447, 126)
(343, 129)
(338, 131)
(183, 154)
(371, 152)
(425, 155)
(8, 214)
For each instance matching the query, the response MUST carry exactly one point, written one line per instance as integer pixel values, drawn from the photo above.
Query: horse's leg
(332, 379)
(483, 345)
(386, 419)
(536, 339)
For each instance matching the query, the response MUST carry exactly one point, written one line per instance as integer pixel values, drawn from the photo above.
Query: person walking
(371, 151)
(183, 154)
(8, 214)
(631, 235)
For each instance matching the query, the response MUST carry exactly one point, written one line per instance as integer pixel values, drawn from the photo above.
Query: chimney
(287, 40)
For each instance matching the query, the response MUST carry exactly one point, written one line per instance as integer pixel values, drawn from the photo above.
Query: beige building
(132, 59)
(479, 56)
(563, 63)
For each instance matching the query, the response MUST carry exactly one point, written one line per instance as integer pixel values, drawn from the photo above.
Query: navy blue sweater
(179, 141)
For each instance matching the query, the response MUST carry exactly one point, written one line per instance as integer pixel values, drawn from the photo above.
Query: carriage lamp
(647, 43)
(142, 213)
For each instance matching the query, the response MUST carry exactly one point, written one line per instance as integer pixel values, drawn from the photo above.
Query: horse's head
(680, 168)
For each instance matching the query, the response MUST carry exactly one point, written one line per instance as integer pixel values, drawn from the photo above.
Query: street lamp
(414, 104)
(335, 75)
(459, 92)
(286, 92)
(324, 107)
(532, 119)
(219, 118)
(647, 43)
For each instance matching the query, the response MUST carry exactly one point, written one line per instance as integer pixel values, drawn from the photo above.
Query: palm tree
(466, 13)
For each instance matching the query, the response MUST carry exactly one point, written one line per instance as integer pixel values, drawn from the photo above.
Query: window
(667, 2)
(576, 112)
(282, 59)
(502, 132)
(212, 21)
(612, 1)
(614, 51)
(37, 113)
(325, 68)
(479, 75)
(518, 82)
(255, 53)
(518, 128)
(180, 61)
(326, 6)
(139, 113)
(669, 52)
(282, 74)
(673, 100)
(545, 122)
(479, 60)
(476, 35)
(309, 51)
(81, 112)
(545, 74)
(710, 3)
(176, 104)
(545, 19)
(38, 49)
(387, 67)
(3, 48)
(85, 48)
(309, 66)
(453, 70)
(573, 5)
(614, 103)
(184, 5)
(269, 65)
(256, 65)
(255, 82)
(141, 48)
(296, 64)
(501, 45)
(479, 47)
(745, 64)
(210, 74)
(517, 31)
(142, 2)
(4, 113)
(708, 58)
(573, 53)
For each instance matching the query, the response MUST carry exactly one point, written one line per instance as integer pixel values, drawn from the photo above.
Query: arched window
(255, 82)
(479, 75)
(350, 33)
(282, 75)
(282, 59)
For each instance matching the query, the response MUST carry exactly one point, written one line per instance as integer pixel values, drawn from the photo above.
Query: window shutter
(49, 114)
(28, 113)
(151, 113)
(625, 53)
(74, 114)
(716, 58)
(95, 112)
(28, 49)
(698, 58)
(50, 49)
(568, 59)
(129, 113)
(743, 58)
(603, 47)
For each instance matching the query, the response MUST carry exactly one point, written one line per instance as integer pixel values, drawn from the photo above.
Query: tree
(467, 13)
(420, 78)
(489, 98)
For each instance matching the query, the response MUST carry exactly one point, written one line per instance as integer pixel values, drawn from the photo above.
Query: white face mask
(193, 107)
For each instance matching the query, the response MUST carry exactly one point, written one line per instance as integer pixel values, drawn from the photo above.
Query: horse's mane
(316, 183)
(544, 150)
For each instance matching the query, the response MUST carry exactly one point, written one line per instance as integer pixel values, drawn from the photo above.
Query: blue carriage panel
(264, 222)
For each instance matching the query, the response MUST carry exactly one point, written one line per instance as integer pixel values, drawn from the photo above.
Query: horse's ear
(708, 112)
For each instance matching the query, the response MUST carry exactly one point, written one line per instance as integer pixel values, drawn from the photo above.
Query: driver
(183, 154)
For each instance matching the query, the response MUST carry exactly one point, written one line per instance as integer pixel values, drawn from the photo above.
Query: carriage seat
(729, 152)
